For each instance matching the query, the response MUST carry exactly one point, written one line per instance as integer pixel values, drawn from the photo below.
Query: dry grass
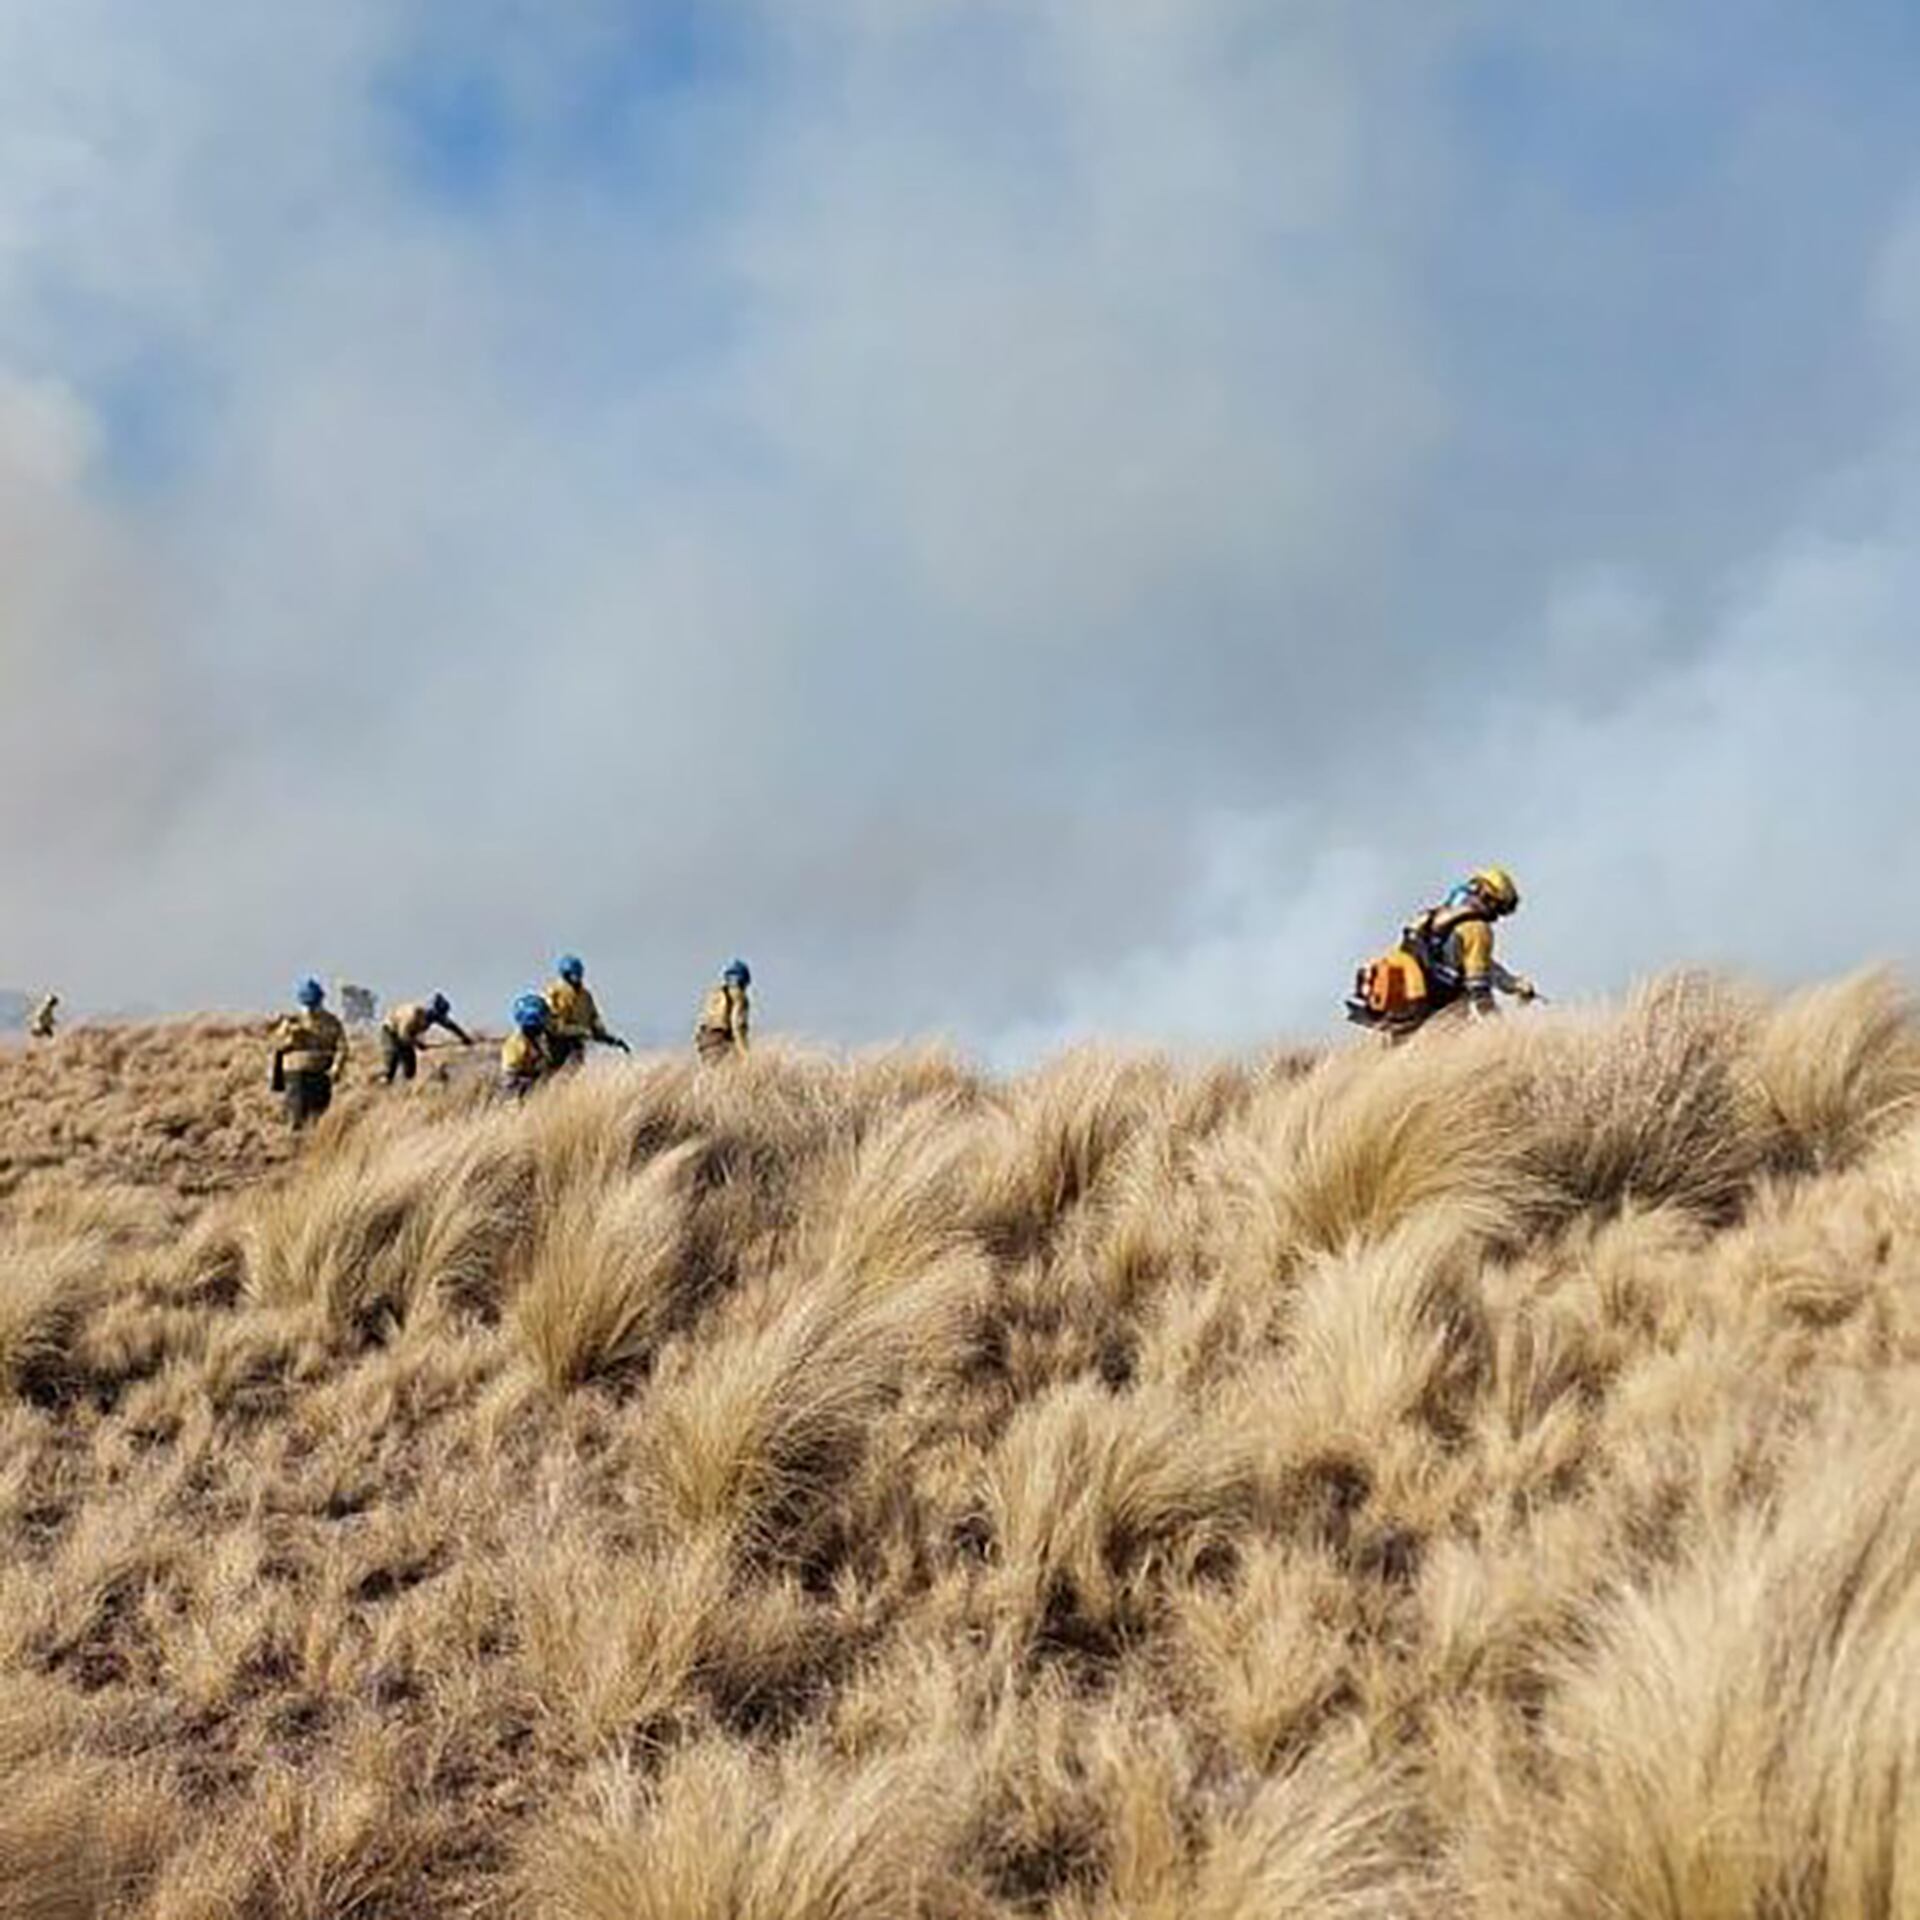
(611, 1272)
(1752, 1723)
(721, 1829)
(1475, 1479)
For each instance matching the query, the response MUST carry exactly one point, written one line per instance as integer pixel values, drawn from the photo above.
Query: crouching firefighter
(526, 1055)
(1444, 960)
(407, 1025)
(573, 1015)
(309, 1053)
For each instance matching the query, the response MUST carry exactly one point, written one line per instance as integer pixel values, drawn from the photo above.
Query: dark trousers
(402, 1056)
(564, 1050)
(308, 1096)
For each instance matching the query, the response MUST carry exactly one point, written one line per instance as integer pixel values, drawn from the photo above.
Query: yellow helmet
(1496, 885)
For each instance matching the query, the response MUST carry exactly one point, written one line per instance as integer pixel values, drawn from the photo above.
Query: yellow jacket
(409, 1020)
(1465, 964)
(413, 1018)
(523, 1056)
(724, 1011)
(311, 1041)
(1470, 951)
(574, 1012)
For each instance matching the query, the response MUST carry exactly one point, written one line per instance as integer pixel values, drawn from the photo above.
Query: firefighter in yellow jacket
(45, 1016)
(721, 1031)
(573, 1016)
(1455, 942)
(526, 1055)
(1444, 960)
(406, 1025)
(309, 1055)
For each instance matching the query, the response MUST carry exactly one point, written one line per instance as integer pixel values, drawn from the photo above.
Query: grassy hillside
(1477, 1480)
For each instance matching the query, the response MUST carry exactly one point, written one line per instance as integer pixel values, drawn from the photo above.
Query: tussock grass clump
(1743, 1737)
(45, 1295)
(1061, 1127)
(393, 1217)
(82, 1838)
(610, 1272)
(1364, 1143)
(1089, 1494)
(904, 1199)
(722, 1830)
(759, 1435)
(1469, 1479)
(1387, 1335)
(1839, 1066)
(1650, 1106)
(613, 1646)
(1332, 1837)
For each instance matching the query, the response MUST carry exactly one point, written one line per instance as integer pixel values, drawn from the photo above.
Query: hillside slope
(1474, 1480)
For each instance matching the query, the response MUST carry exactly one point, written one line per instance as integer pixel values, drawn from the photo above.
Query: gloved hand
(1524, 989)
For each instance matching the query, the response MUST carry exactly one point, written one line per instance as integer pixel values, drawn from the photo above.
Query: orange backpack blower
(1391, 991)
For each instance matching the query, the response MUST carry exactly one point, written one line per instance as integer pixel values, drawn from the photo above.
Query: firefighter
(404, 1028)
(309, 1055)
(721, 1031)
(41, 1026)
(1455, 943)
(1444, 960)
(573, 1016)
(526, 1055)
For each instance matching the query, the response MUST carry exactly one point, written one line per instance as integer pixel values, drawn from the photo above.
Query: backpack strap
(1445, 920)
(1426, 934)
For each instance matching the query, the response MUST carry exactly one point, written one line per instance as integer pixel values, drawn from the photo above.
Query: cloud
(989, 511)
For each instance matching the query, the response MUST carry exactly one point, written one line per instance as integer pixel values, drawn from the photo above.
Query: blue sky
(968, 504)
(633, 112)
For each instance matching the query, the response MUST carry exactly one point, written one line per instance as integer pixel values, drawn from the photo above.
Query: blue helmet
(739, 973)
(530, 1013)
(440, 1006)
(571, 968)
(310, 993)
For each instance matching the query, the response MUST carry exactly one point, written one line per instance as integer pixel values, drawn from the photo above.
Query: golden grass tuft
(1334, 1838)
(45, 1295)
(1743, 1736)
(1091, 1496)
(861, 1843)
(757, 1435)
(390, 1218)
(81, 1840)
(1645, 1107)
(1387, 1336)
(1839, 1066)
(610, 1272)
(1366, 1142)
(612, 1646)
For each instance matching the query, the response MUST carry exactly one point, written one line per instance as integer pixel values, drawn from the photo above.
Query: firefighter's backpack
(1391, 991)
